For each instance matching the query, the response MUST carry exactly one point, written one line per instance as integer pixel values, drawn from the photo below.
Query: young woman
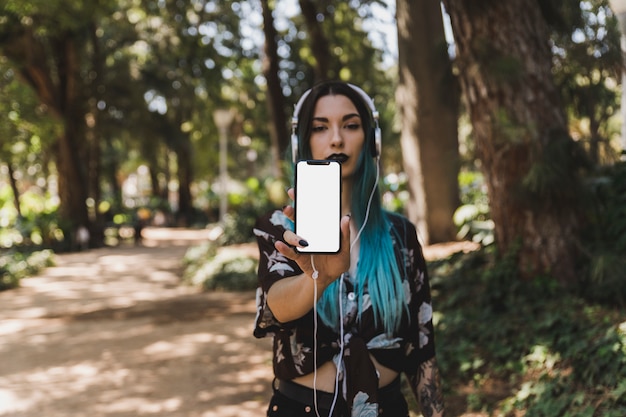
(342, 339)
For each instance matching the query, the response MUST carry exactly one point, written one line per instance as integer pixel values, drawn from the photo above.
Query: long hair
(378, 270)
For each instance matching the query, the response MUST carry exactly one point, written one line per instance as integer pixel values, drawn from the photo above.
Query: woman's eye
(318, 128)
(353, 126)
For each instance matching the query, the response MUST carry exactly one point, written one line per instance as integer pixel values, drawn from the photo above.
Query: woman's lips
(341, 157)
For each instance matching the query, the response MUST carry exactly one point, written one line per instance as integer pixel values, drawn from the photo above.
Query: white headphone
(368, 100)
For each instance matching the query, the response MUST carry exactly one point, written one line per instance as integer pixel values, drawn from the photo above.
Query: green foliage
(220, 269)
(604, 237)
(554, 178)
(245, 206)
(395, 193)
(472, 217)
(587, 59)
(37, 227)
(15, 266)
(548, 351)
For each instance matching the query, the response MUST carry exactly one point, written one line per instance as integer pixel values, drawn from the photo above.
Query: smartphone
(318, 205)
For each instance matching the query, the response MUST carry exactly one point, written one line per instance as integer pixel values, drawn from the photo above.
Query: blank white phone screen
(318, 205)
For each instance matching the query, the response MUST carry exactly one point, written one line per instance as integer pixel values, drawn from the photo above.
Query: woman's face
(337, 132)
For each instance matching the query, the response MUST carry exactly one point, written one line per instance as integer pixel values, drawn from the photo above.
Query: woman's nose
(336, 139)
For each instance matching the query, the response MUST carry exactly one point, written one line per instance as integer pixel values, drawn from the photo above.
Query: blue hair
(378, 270)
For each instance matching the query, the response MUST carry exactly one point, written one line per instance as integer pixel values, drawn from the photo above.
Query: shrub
(604, 238)
(224, 269)
(549, 351)
(15, 266)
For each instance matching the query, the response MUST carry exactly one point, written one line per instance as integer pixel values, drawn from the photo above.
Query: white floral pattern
(362, 408)
(425, 316)
(294, 354)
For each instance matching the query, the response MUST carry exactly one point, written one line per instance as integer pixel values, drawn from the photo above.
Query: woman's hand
(329, 267)
(292, 297)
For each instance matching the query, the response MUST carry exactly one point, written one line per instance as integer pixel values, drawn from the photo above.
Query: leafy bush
(473, 217)
(526, 347)
(258, 198)
(604, 238)
(38, 225)
(15, 266)
(224, 269)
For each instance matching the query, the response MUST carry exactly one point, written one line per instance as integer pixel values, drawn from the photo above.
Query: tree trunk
(185, 177)
(278, 128)
(94, 135)
(14, 188)
(519, 124)
(55, 76)
(319, 43)
(427, 99)
(71, 161)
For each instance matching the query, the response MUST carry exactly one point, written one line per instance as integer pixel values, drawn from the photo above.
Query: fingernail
(303, 242)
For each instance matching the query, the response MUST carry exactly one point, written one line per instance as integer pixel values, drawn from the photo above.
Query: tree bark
(71, 158)
(54, 74)
(15, 189)
(427, 99)
(504, 62)
(319, 43)
(279, 136)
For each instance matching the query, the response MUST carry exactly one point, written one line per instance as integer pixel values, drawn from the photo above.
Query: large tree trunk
(427, 99)
(54, 73)
(71, 158)
(278, 128)
(519, 125)
(94, 136)
(319, 43)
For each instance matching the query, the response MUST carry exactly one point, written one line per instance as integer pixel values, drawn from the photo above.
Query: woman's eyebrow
(344, 118)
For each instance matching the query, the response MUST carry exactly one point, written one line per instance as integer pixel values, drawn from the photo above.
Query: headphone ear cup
(377, 145)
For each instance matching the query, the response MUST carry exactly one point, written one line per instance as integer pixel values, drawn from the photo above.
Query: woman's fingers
(294, 240)
(288, 210)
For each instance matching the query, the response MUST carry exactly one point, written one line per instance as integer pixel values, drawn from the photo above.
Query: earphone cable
(341, 325)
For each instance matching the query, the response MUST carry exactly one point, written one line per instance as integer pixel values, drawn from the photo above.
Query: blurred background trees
(501, 125)
(493, 129)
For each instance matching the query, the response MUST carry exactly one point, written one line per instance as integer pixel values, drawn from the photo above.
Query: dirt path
(110, 332)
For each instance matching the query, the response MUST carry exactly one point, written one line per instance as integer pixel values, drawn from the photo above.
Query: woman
(342, 339)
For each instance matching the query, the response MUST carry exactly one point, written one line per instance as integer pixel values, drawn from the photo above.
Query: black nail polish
(303, 242)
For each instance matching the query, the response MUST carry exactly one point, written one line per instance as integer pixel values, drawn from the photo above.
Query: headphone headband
(366, 98)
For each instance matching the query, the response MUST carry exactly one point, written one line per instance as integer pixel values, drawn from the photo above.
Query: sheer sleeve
(273, 266)
(420, 346)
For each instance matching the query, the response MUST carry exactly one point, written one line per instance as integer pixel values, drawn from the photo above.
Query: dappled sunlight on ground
(110, 332)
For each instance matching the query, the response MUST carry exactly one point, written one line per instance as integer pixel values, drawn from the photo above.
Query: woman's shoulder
(273, 219)
(403, 229)
(398, 220)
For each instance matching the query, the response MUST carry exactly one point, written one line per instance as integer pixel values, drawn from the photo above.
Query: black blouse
(403, 351)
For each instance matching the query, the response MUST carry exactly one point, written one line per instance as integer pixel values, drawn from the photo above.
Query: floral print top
(403, 351)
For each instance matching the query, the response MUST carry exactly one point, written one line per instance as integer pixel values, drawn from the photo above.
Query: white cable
(315, 275)
(341, 328)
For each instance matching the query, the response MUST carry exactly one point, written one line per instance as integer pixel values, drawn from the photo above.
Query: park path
(111, 333)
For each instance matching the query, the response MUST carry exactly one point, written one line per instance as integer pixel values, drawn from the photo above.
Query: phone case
(318, 205)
